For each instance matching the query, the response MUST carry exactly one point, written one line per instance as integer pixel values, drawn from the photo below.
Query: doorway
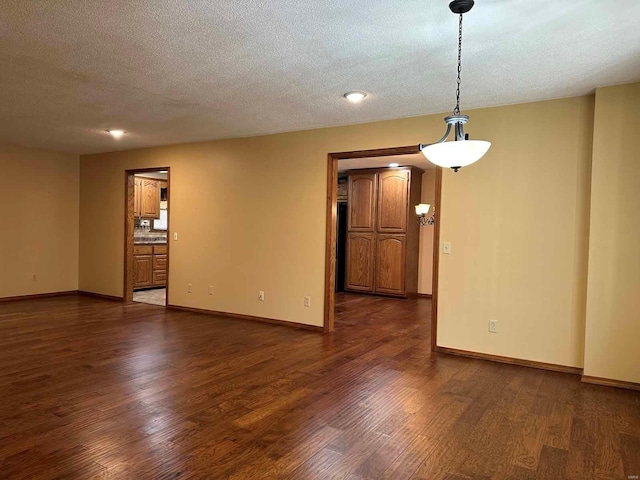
(147, 214)
(380, 164)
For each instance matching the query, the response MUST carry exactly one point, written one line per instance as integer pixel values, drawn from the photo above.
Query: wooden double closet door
(382, 235)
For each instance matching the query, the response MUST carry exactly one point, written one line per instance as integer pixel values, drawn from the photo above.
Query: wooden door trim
(332, 208)
(436, 259)
(129, 185)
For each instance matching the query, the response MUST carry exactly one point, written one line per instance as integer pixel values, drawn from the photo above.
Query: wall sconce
(422, 210)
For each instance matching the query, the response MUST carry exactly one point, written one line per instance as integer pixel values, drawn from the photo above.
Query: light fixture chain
(456, 111)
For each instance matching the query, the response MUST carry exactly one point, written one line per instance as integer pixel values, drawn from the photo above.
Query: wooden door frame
(330, 247)
(129, 223)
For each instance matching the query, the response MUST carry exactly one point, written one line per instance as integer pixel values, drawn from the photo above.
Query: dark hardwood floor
(94, 389)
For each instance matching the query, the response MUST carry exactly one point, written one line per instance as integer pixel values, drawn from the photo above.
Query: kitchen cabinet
(159, 278)
(360, 252)
(362, 189)
(393, 197)
(390, 263)
(137, 197)
(150, 199)
(142, 276)
(382, 234)
(146, 198)
(150, 266)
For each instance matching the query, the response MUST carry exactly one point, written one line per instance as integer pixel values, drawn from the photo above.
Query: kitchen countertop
(148, 241)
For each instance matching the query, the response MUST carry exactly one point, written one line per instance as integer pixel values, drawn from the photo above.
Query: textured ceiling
(416, 159)
(171, 71)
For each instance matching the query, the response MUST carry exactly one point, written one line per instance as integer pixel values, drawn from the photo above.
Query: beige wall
(518, 226)
(39, 215)
(613, 295)
(425, 258)
(250, 214)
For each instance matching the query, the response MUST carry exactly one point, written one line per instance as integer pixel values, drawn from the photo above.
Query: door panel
(159, 262)
(142, 265)
(150, 199)
(362, 201)
(390, 265)
(159, 278)
(359, 262)
(393, 197)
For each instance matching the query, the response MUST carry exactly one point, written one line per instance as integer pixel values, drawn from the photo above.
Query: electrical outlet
(189, 287)
(307, 301)
(493, 326)
(210, 289)
(261, 296)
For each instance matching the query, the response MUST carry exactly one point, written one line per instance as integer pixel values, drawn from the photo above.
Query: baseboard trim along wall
(510, 360)
(424, 295)
(608, 382)
(247, 317)
(39, 295)
(99, 295)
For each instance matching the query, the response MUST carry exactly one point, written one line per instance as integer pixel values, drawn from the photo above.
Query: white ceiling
(171, 71)
(416, 159)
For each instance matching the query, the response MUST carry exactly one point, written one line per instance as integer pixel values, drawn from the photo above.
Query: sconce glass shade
(456, 153)
(422, 209)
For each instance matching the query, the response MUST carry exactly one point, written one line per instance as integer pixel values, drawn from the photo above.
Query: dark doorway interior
(341, 246)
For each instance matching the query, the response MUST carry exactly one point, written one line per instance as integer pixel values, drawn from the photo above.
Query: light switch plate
(175, 235)
(446, 248)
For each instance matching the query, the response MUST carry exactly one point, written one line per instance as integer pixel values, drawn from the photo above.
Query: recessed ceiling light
(116, 133)
(394, 165)
(355, 97)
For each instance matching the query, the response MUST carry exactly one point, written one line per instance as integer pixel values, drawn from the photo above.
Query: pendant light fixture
(461, 151)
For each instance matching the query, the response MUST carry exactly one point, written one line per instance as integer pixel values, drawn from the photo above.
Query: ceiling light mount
(116, 133)
(461, 6)
(355, 96)
(453, 119)
(462, 151)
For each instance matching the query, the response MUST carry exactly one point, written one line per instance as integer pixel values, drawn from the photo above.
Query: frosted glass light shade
(456, 154)
(422, 209)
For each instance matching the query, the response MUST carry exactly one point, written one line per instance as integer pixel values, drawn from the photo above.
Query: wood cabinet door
(150, 199)
(142, 271)
(159, 278)
(393, 198)
(362, 202)
(359, 268)
(390, 264)
(159, 262)
(137, 197)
